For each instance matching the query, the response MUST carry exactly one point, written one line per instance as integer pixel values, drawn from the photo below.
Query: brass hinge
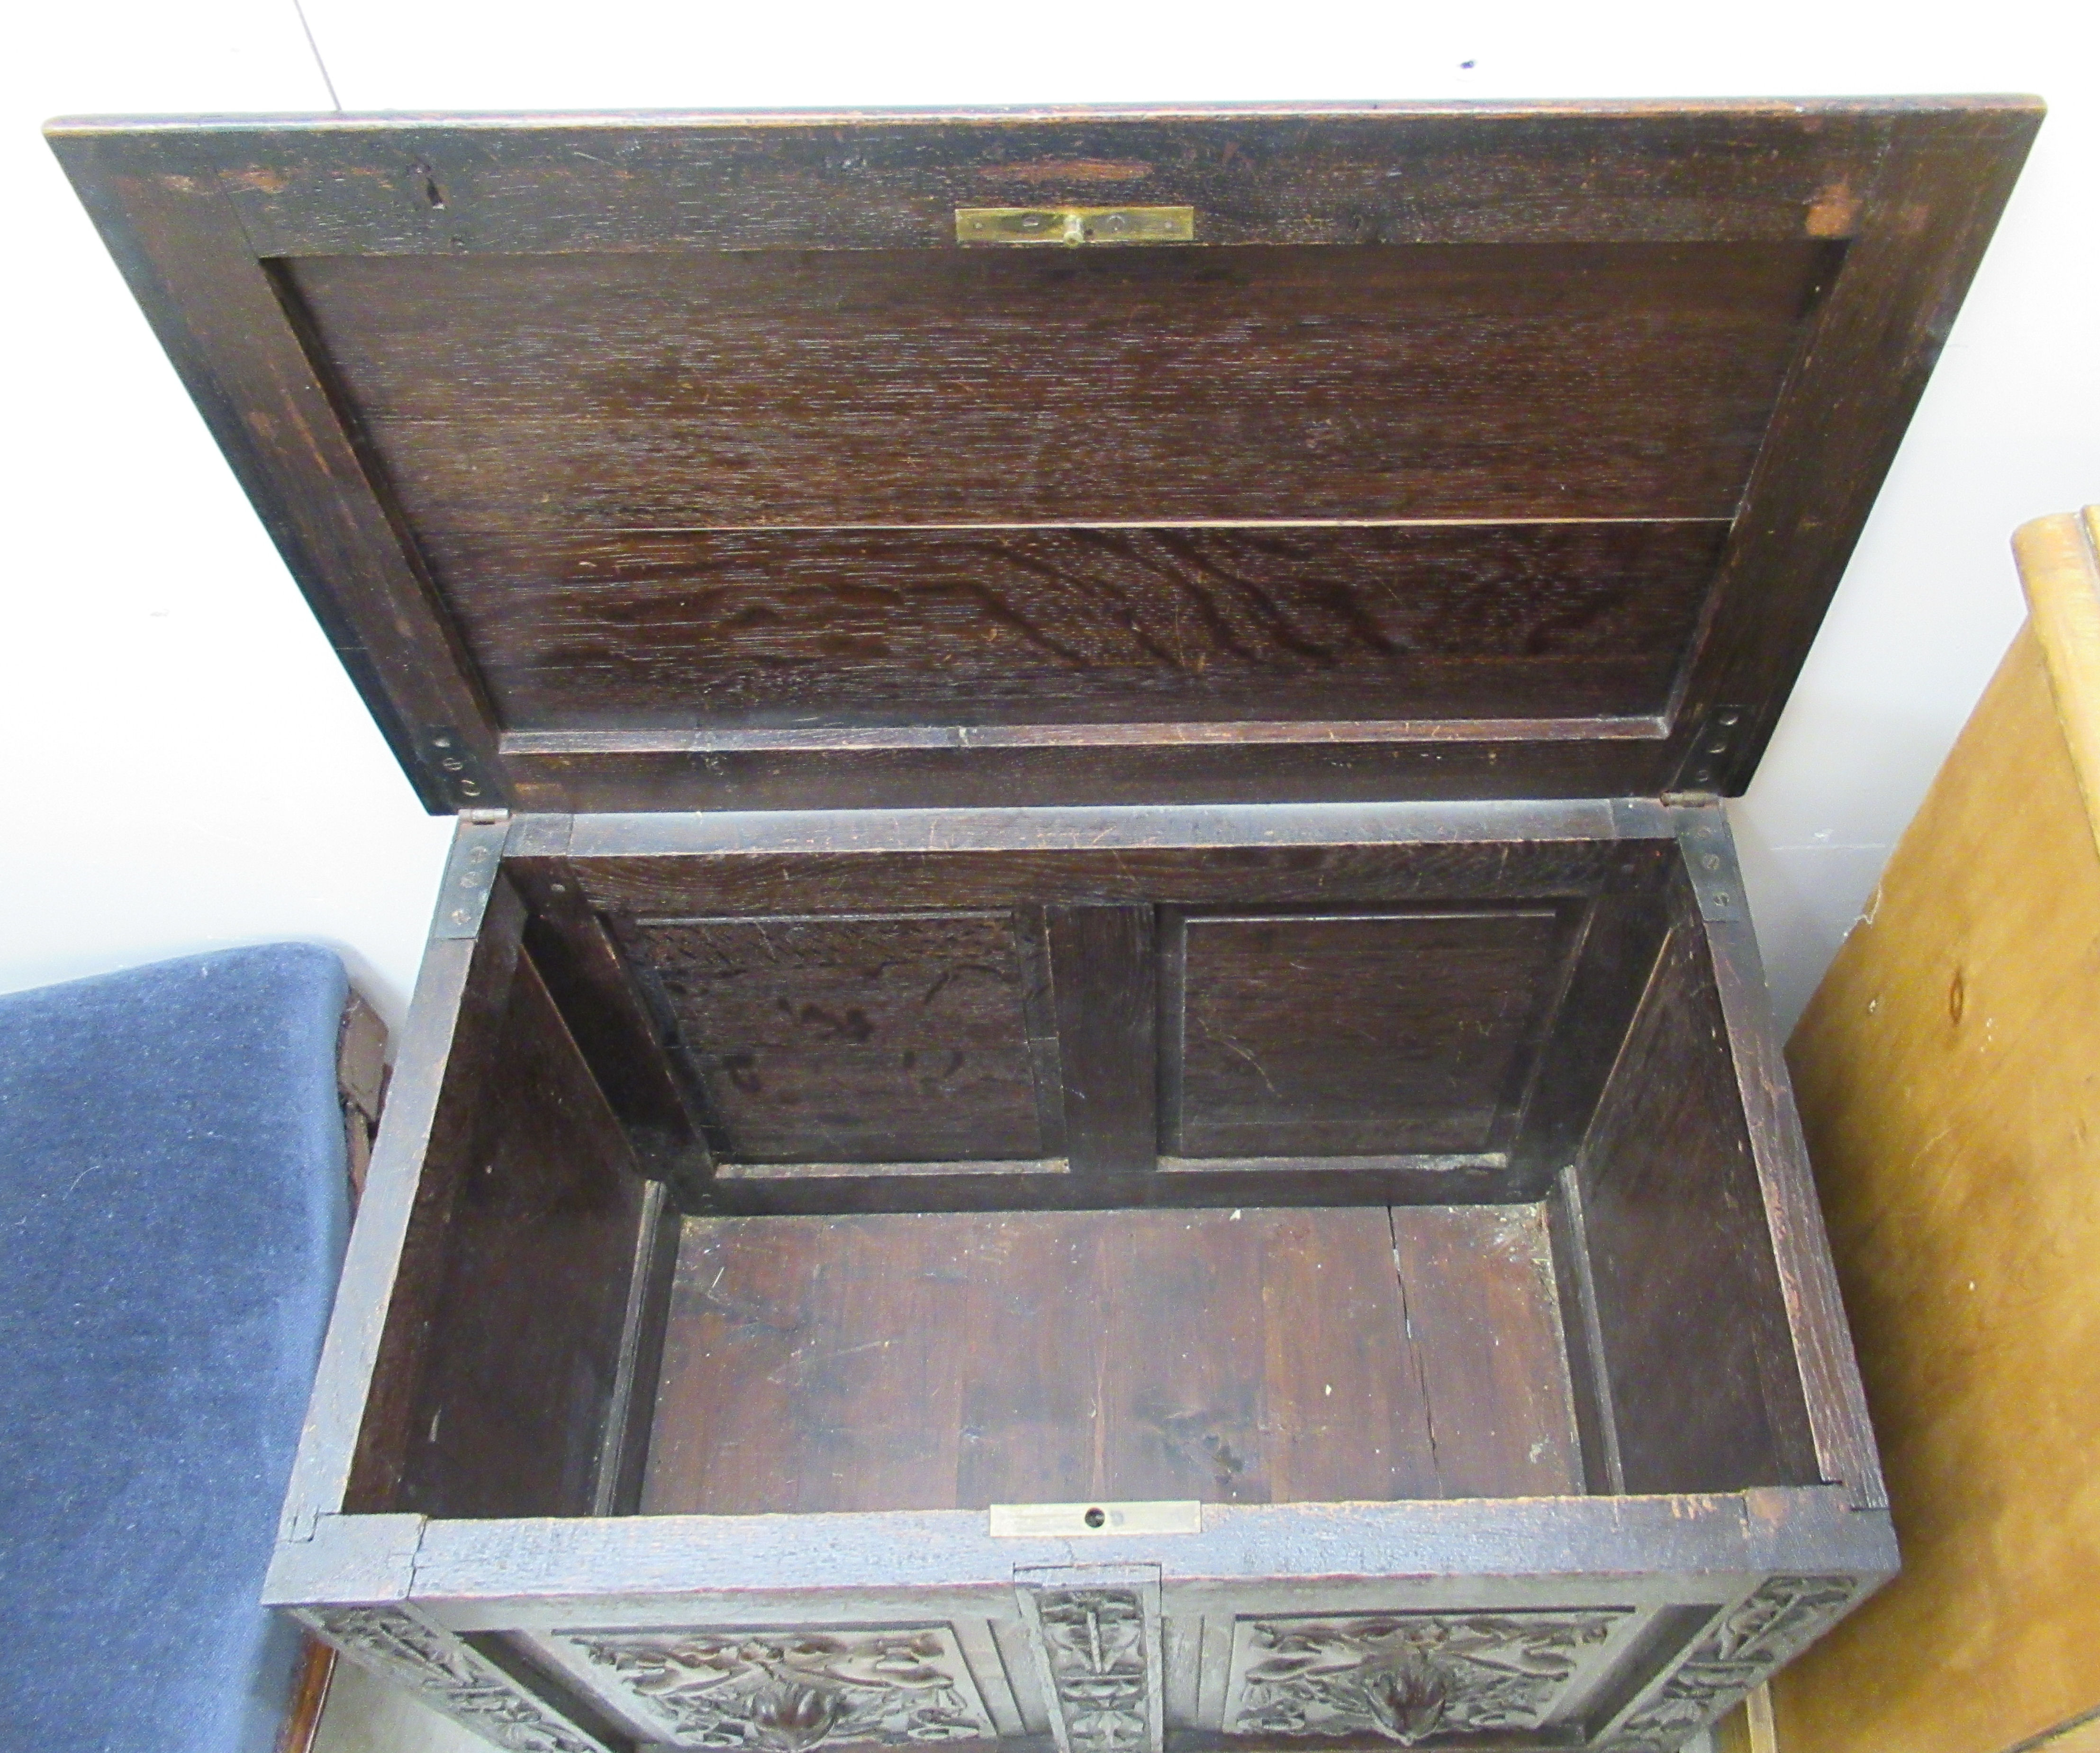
(1075, 225)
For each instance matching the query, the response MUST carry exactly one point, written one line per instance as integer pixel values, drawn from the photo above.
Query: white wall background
(186, 766)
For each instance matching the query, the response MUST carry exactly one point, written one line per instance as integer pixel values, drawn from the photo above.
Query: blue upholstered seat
(171, 1226)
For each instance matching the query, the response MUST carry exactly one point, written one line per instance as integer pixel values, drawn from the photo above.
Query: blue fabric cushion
(171, 1226)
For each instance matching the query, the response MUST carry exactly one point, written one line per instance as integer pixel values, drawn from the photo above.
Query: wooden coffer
(1091, 1072)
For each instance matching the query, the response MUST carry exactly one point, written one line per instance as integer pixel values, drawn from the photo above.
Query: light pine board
(1948, 1072)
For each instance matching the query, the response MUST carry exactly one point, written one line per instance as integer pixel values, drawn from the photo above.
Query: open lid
(1373, 451)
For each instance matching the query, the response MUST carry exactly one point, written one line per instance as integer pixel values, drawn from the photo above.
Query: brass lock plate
(1075, 225)
(1071, 1521)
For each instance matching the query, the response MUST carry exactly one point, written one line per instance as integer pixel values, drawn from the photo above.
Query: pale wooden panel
(2078, 1737)
(1948, 1072)
(2060, 570)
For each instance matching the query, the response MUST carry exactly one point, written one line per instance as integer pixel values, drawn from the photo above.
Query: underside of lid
(753, 462)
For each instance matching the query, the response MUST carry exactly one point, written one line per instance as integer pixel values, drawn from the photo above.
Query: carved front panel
(450, 1676)
(1094, 1644)
(787, 1692)
(1097, 1638)
(1408, 1676)
(1751, 1642)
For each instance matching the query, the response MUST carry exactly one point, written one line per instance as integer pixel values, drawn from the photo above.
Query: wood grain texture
(1946, 1076)
(1925, 211)
(1839, 1434)
(372, 1363)
(525, 1573)
(216, 308)
(518, 1367)
(576, 394)
(1656, 171)
(1238, 762)
(1255, 1356)
(626, 1044)
(564, 333)
(1484, 1331)
(1105, 974)
(1315, 1033)
(1047, 625)
(839, 869)
(1621, 932)
(880, 1038)
(1705, 1389)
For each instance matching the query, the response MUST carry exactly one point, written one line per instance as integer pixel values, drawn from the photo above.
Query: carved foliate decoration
(1099, 1667)
(450, 1676)
(787, 1692)
(1778, 1620)
(1406, 1677)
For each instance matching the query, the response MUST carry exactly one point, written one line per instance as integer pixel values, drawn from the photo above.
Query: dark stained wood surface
(1818, 1333)
(1050, 625)
(1713, 311)
(1484, 1328)
(1248, 1357)
(1312, 1034)
(571, 394)
(217, 310)
(1925, 213)
(368, 1390)
(1654, 170)
(1241, 762)
(1105, 974)
(1705, 1384)
(875, 1038)
(518, 1370)
(609, 1014)
(1621, 936)
(1334, 1040)
(844, 876)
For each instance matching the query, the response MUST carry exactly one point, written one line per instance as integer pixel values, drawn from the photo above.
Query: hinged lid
(722, 461)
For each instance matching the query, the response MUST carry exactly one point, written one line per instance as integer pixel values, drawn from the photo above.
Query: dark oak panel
(1047, 626)
(516, 1388)
(1703, 1377)
(955, 1361)
(1104, 975)
(874, 1039)
(1333, 1033)
(953, 768)
(837, 878)
(573, 393)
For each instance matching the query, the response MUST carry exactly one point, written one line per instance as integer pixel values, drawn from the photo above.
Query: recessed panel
(876, 1038)
(764, 629)
(1355, 1034)
(784, 388)
(781, 488)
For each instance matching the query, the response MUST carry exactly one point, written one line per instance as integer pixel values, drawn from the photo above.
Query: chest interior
(1364, 1168)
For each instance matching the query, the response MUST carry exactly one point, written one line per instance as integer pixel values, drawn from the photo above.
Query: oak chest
(1090, 1070)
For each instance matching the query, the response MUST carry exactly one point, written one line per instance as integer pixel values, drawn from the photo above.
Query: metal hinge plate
(1709, 763)
(470, 873)
(457, 769)
(1709, 856)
